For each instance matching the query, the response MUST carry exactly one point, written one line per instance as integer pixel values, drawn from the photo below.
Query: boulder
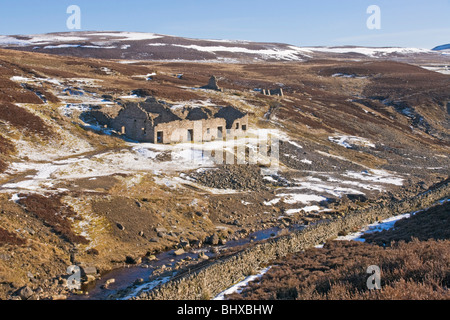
(25, 293)
(203, 256)
(90, 271)
(179, 252)
(132, 260)
(142, 93)
(212, 240)
(120, 226)
(162, 230)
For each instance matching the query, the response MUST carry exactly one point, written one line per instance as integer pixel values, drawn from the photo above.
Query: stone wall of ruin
(135, 123)
(273, 92)
(204, 130)
(177, 131)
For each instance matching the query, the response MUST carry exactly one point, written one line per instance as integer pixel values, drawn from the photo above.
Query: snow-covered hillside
(150, 46)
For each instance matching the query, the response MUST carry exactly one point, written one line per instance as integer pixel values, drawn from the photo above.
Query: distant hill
(442, 47)
(155, 47)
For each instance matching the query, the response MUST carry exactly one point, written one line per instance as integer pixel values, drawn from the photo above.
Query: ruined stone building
(273, 92)
(157, 122)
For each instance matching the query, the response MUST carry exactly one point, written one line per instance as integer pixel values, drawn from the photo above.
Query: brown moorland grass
(6, 147)
(23, 119)
(411, 271)
(41, 92)
(3, 165)
(8, 238)
(13, 92)
(433, 223)
(414, 258)
(54, 213)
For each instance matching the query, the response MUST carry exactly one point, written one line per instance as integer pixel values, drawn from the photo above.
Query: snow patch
(350, 141)
(237, 288)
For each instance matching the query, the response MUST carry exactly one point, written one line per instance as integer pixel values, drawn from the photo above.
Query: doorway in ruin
(190, 136)
(220, 132)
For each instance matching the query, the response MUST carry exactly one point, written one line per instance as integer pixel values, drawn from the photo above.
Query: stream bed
(125, 277)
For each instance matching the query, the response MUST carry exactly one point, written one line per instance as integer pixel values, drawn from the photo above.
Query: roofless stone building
(156, 122)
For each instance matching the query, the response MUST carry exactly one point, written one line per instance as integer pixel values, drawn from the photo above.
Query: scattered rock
(236, 177)
(212, 240)
(203, 256)
(92, 271)
(30, 231)
(196, 243)
(131, 260)
(108, 283)
(93, 251)
(5, 257)
(90, 278)
(142, 93)
(25, 293)
(214, 250)
(152, 258)
(184, 244)
(179, 252)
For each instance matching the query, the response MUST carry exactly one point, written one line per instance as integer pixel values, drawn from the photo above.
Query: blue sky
(413, 23)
